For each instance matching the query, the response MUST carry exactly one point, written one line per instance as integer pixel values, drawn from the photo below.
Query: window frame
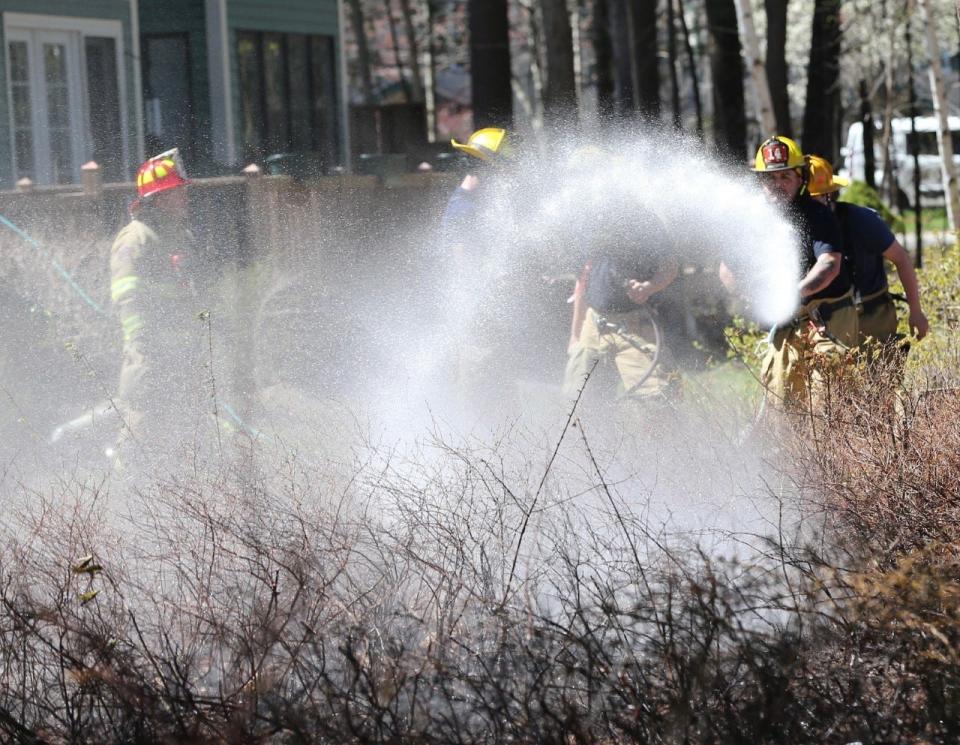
(29, 27)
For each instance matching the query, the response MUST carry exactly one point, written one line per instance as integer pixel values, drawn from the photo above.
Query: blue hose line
(56, 265)
(93, 304)
(253, 432)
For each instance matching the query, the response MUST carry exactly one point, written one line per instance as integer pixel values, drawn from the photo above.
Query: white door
(49, 127)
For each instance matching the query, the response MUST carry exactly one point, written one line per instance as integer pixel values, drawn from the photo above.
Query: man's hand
(639, 292)
(919, 324)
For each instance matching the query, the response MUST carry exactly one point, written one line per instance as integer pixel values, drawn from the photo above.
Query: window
(104, 97)
(64, 82)
(287, 95)
(930, 142)
(167, 94)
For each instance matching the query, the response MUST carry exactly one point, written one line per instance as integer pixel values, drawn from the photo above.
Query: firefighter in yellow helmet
(486, 148)
(153, 297)
(868, 242)
(802, 350)
(476, 286)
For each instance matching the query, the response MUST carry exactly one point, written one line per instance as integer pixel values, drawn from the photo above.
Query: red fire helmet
(161, 172)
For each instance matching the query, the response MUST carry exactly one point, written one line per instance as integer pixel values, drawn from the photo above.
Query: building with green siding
(228, 81)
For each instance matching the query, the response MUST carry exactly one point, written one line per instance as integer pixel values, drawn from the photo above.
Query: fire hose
(605, 325)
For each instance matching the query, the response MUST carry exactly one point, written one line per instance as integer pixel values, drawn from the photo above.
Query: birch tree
(941, 110)
(758, 73)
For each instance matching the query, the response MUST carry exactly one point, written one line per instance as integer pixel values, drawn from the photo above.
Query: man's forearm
(664, 276)
(908, 277)
(821, 274)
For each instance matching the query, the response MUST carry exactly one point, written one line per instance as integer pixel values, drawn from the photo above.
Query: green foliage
(860, 193)
(747, 342)
(937, 357)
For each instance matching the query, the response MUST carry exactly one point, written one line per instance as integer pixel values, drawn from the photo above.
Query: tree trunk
(430, 86)
(941, 110)
(823, 82)
(889, 182)
(692, 62)
(395, 43)
(363, 50)
(416, 77)
(758, 73)
(726, 67)
(866, 119)
(672, 60)
(777, 64)
(912, 98)
(492, 95)
(643, 21)
(603, 56)
(624, 63)
(560, 91)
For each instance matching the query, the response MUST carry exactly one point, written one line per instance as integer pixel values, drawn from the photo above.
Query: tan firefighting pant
(628, 343)
(160, 383)
(880, 322)
(880, 346)
(800, 357)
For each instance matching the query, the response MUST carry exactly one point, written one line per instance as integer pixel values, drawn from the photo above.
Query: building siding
(112, 10)
(289, 16)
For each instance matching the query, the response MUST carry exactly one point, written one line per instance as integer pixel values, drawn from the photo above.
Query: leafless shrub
(401, 605)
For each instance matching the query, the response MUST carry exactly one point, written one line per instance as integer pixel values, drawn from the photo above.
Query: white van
(901, 157)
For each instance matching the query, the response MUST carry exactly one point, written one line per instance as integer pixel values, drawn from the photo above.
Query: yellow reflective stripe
(131, 326)
(122, 286)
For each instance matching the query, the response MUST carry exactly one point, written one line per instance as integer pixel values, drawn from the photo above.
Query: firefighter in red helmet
(156, 306)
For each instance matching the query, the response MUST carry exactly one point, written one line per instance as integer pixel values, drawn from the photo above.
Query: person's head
(822, 184)
(160, 185)
(781, 168)
(490, 145)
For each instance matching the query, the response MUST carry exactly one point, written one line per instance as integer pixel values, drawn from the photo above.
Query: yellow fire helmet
(485, 144)
(822, 181)
(778, 153)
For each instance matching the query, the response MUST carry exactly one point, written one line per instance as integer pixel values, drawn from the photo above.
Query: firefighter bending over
(612, 322)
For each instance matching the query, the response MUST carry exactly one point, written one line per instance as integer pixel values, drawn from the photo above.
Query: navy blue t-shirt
(633, 251)
(818, 232)
(866, 236)
(459, 221)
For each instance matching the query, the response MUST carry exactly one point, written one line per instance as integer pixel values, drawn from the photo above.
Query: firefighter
(478, 285)
(154, 300)
(486, 148)
(612, 322)
(824, 329)
(868, 242)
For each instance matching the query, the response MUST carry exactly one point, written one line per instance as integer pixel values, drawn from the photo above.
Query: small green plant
(938, 353)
